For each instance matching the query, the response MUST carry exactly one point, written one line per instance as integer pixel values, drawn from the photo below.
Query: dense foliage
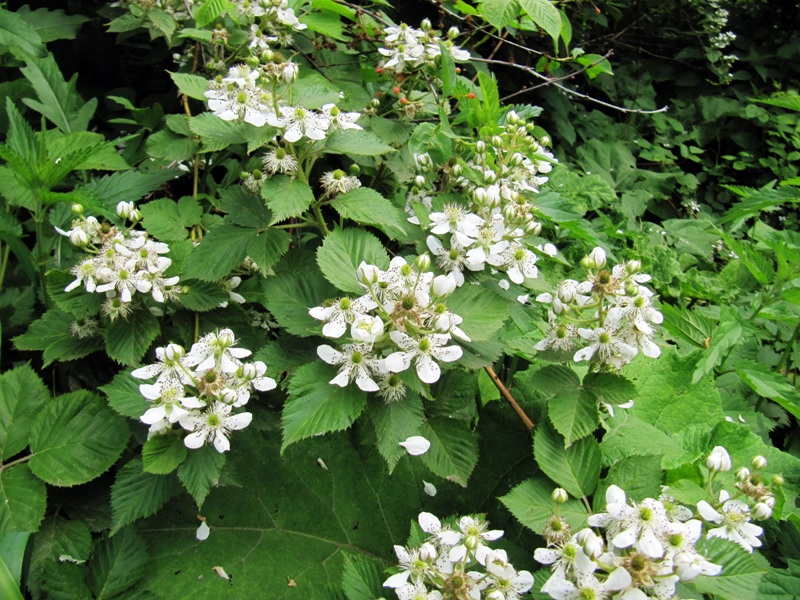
(281, 281)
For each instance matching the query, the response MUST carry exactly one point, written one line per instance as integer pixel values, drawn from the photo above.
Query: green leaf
(22, 396)
(193, 86)
(117, 564)
(59, 100)
(484, 311)
(202, 295)
(136, 494)
(769, 384)
(289, 296)
(635, 437)
(640, 476)
(491, 96)
(244, 208)
(727, 333)
(532, 504)
(130, 186)
(286, 197)
(667, 393)
(8, 585)
(52, 25)
(454, 449)
(216, 134)
(77, 303)
(395, 422)
(60, 540)
(52, 334)
(499, 13)
(689, 325)
(343, 251)
(356, 142)
(315, 406)
(576, 469)
(779, 584)
(169, 146)
(741, 571)
(209, 11)
(75, 439)
(200, 472)
(367, 207)
(545, 15)
(22, 500)
(610, 388)
(167, 219)
(124, 396)
(267, 248)
(163, 454)
(128, 339)
(16, 32)
(223, 249)
(362, 577)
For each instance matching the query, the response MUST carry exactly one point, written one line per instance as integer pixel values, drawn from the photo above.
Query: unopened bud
(124, 209)
(534, 228)
(633, 266)
(453, 33)
(761, 511)
(480, 147)
(420, 181)
(423, 262)
(425, 25)
(174, 352)
(545, 140)
(598, 259)
(354, 170)
(759, 462)
(457, 169)
(718, 460)
(559, 495)
(77, 209)
(777, 480)
(444, 285)
(367, 274)
(742, 474)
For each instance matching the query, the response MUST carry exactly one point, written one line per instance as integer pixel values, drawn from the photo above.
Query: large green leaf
(741, 571)
(483, 310)
(22, 500)
(532, 504)
(193, 86)
(290, 295)
(286, 197)
(128, 339)
(22, 396)
(343, 251)
(454, 449)
(576, 469)
(51, 334)
(163, 454)
(136, 494)
(124, 397)
(59, 542)
(356, 141)
(395, 422)
(545, 15)
(76, 438)
(201, 471)
(726, 334)
(499, 12)
(52, 25)
(222, 249)
(15, 32)
(209, 11)
(368, 207)
(770, 384)
(362, 577)
(167, 219)
(316, 406)
(117, 564)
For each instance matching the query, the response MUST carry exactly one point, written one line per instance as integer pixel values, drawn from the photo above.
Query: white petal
(429, 522)
(416, 445)
(239, 421)
(329, 355)
(427, 369)
(429, 488)
(195, 440)
(398, 361)
(203, 532)
(221, 442)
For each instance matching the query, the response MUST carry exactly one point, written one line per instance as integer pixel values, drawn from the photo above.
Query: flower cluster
(606, 319)
(490, 219)
(408, 49)
(202, 389)
(456, 562)
(123, 261)
(402, 318)
(646, 548)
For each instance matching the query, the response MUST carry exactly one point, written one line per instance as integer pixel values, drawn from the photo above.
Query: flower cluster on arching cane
(402, 318)
(489, 217)
(202, 390)
(457, 562)
(408, 49)
(123, 261)
(605, 319)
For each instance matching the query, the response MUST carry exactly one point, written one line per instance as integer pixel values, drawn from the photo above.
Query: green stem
(783, 365)
(4, 264)
(320, 220)
(16, 462)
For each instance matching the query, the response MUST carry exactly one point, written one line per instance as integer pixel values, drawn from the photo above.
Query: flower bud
(124, 209)
(367, 274)
(174, 352)
(290, 71)
(777, 480)
(769, 501)
(761, 511)
(742, 474)
(77, 209)
(718, 460)
(425, 25)
(480, 147)
(480, 196)
(633, 266)
(228, 396)
(545, 140)
(423, 262)
(559, 495)
(420, 181)
(453, 33)
(78, 237)
(457, 169)
(444, 285)
(759, 462)
(597, 258)
(591, 542)
(354, 170)
(535, 228)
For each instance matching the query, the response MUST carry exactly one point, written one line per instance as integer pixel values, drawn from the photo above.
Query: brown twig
(507, 395)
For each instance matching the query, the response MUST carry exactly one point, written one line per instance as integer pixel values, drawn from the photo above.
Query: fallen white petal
(416, 445)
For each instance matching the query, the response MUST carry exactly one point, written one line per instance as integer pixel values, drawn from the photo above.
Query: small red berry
(379, 70)
(403, 100)
(471, 96)
(458, 70)
(396, 89)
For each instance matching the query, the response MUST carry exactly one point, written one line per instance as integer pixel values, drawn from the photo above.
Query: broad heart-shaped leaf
(201, 296)
(667, 397)
(769, 384)
(222, 249)
(163, 454)
(128, 339)
(293, 515)
(545, 15)
(136, 494)
(640, 476)
(343, 251)
(77, 302)
(209, 11)
(610, 388)
(741, 571)
(454, 449)
(22, 500)
(576, 469)
(76, 438)
(200, 472)
(167, 219)
(244, 207)
(216, 134)
(117, 564)
(499, 13)
(315, 406)
(362, 577)
(395, 422)
(483, 310)
(59, 537)
(531, 502)
(22, 396)
(286, 197)
(368, 207)
(268, 247)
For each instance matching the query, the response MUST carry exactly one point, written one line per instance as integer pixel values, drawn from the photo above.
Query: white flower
(424, 350)
(718, 460)
(606, 346)
(338, 315)
(299, 122)
(339, 119)
(338, 182)
(279, 161)
(169, 401)
(366, 329)
(735, 521)
(416, 445)
(470, 541)
(213, 426)
(518, 262)
(216, 350)
(231, 103)
(170, 366)
(357, 364)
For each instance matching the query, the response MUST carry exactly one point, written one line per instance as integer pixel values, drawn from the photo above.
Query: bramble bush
(298, 277)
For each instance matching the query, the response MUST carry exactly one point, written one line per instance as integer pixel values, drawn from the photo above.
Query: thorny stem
(507, 395)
